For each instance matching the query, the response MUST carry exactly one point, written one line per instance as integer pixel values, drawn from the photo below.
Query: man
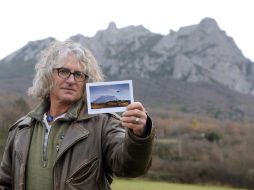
(58, 145)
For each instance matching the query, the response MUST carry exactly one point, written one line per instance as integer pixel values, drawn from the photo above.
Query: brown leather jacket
(94, 149)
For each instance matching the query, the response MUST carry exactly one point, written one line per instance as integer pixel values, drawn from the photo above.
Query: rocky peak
(129, 32)
(112, 27)
(204, 52)
(209, 25)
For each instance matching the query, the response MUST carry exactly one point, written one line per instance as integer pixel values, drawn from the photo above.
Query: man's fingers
(134, 112)
(133, 120)
(135, 105)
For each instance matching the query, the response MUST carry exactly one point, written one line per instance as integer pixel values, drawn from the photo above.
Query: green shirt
(39, 171)
(39, 174)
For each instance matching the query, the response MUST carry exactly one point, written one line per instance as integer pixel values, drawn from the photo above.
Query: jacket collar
(77, 111)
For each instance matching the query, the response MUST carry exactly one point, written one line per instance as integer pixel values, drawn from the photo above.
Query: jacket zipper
(45, 146)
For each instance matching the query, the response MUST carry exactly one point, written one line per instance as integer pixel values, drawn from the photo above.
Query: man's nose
(71, 78)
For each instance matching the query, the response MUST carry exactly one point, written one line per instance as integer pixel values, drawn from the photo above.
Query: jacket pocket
(85, 173)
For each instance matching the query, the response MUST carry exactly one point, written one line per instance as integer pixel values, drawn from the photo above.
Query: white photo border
(107, 110)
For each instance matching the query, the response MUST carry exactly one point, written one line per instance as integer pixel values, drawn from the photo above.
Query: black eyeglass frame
(69, 73)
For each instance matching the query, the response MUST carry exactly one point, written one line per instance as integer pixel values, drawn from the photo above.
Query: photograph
(107, 97)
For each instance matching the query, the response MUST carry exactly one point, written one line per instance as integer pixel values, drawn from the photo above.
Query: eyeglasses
(65, 73)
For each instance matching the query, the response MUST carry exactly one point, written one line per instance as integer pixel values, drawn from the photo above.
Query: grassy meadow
(122, 184)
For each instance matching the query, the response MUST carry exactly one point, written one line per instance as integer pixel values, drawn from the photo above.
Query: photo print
(107, 97)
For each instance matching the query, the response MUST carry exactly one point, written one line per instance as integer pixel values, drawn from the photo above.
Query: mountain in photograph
(104, 99)
(109, 102)
(198, 69)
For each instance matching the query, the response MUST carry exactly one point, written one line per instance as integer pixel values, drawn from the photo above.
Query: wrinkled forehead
(70, 58)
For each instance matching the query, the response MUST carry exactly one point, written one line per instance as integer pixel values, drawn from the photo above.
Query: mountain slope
(104, 99)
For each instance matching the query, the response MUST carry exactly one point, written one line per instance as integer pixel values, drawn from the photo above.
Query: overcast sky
(28, 20)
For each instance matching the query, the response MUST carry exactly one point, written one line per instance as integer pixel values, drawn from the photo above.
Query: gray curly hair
(50, 58)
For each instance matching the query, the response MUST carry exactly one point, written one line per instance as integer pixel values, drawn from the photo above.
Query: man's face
(69, 90)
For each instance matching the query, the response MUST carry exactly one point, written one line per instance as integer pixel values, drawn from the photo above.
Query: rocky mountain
(197, 69)
(198, 53)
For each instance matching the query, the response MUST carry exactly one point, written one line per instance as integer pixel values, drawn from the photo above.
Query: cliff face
(198, 53)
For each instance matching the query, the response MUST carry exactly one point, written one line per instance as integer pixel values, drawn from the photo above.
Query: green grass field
(121, 184)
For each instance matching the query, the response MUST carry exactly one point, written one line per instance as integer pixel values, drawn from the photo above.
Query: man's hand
(135, 118)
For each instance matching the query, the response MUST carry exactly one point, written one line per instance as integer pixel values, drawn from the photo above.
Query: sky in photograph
(120, 91)
(29, 20)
